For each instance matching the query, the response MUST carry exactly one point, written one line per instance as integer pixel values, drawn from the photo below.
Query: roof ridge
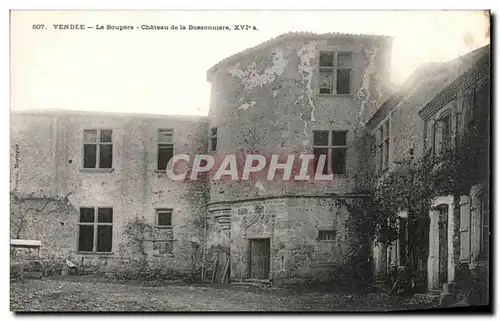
(79, 112)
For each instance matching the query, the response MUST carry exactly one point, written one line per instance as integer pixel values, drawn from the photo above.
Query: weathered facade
(91, 187)
(430, 113)
(274, 99)
(271, 99)
(53, 191)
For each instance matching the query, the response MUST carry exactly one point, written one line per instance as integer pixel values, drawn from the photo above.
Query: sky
(164, 72)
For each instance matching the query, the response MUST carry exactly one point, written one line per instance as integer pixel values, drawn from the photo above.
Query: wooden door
(259, 263)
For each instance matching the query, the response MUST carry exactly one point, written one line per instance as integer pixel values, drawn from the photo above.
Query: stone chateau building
(93, 188)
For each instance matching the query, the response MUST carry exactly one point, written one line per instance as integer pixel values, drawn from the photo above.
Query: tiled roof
(288, 36)
(430, 79)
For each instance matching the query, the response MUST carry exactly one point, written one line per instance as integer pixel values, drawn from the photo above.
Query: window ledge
(97, 170)
(95, 253)
(164, 227)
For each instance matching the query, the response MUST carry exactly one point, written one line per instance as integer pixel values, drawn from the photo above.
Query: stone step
(261, 281)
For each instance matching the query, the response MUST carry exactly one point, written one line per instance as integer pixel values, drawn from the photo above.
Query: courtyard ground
(88, 294)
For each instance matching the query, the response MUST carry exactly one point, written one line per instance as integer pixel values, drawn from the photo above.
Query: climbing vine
(412, 184)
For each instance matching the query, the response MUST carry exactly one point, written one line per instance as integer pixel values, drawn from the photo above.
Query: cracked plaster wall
(267, 103)
(49, 164)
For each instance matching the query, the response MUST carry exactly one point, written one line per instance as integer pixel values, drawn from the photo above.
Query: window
(326, 235)
(95, 229)
(164, 217)
(383, 141)
(97, 148)
(464, 228)
(483, 211)
(442, 133)
(213, 139)
(165, 148)
(332, 144)
(335, 72)
(163, 239)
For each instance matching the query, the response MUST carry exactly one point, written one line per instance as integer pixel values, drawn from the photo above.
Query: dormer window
(335, 72)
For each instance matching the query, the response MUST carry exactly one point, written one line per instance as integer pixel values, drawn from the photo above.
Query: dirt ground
(79, 294)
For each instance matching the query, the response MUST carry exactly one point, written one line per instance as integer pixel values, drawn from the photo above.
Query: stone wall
(292, 225)
(48, 164)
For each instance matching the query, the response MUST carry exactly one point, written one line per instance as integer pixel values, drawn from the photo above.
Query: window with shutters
(165, 148)
(484, 232)
(464, 229)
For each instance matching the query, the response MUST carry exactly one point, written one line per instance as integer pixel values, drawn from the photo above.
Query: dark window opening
(213, 139)
(335, 73)
(97, 148)
(317, 153)
(338, 160)
(326, 235)
(320, 138)
(106, 156)
(165, 148)
(104, 238)
(86, 215)
(164, 217)
(86, 238)
(326, 59)
(105, 215)
(326, 82)
(332, 144)
(165, 153)
(89, 156)
(95, 235)
(344, 59)
(343, 81)
(339, 138)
